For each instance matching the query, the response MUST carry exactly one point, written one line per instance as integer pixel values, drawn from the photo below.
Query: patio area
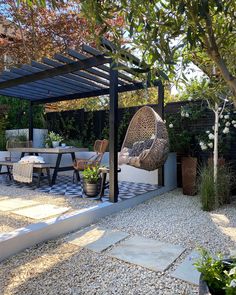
(21, 204)
(172, 218)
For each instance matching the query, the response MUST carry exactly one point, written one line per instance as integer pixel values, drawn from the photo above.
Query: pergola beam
(65, 69)
(105, 68)
(105, 91)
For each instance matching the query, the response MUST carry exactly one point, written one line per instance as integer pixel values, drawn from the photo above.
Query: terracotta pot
(189, 175)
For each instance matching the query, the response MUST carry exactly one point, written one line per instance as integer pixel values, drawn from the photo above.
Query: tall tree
(42, 31)
(167, 32)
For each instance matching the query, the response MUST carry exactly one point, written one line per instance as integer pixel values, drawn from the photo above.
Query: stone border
(25, 237)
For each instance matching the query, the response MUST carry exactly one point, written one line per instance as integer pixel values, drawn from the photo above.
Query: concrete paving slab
(152, 254)
(15, 203)
(41, 211)
(96, 239)
(186, 271)
(232, 252)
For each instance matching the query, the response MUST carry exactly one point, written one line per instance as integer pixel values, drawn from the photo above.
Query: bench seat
(38, 168)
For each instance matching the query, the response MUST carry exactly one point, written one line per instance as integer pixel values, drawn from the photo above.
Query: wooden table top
(58, 150)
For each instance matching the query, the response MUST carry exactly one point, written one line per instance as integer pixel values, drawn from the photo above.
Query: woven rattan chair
(147, 128)
(100, 147)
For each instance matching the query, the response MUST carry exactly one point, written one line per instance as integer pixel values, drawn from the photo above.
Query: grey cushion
(139, 147)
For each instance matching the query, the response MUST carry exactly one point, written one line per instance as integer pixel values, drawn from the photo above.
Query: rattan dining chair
(100, 147)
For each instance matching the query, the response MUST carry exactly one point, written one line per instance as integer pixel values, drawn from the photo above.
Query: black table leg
(103, 184)
(9, 173)
(54, 176)
(48, 176)
(39, 178)
(75, 171)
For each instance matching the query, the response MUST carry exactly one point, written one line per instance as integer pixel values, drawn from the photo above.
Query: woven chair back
(146, 124)
(100, 146)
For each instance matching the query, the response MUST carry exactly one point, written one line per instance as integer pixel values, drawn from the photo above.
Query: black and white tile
(64, 186)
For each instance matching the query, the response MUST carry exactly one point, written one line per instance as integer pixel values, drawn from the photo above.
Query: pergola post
(113, 135)
(160, 110)
(31, 125)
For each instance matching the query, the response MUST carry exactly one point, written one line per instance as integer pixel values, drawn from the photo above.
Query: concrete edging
(25, 237)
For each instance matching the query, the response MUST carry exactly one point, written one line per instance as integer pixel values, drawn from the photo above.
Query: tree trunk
(215, 156)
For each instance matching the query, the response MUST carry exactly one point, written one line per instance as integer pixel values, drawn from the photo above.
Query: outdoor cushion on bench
(37, 168)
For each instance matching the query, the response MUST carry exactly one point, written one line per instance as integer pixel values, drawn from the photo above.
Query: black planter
(91, 189)
(203, 288)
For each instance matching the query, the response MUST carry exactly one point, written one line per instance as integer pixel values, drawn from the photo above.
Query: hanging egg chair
(146, 144)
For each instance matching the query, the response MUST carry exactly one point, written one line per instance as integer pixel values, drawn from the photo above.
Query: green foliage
(3, 124)
(18, 113)
(91, 174)
(167, 33)
(74, 142)
(52, 136)
(213, 195)
(206, 188)
(219, 275)
(225, 182)
(181, 128)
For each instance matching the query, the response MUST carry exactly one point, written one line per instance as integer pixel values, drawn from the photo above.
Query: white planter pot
(55, 144)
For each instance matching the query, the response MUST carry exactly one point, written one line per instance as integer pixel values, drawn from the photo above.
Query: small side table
(104, 184)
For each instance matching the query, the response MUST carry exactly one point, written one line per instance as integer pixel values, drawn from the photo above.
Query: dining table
(59, 152)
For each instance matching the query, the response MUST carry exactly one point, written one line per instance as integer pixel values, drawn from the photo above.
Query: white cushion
(32, 160)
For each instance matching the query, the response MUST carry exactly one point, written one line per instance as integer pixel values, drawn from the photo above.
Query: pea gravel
(56, 267)
(10, 221)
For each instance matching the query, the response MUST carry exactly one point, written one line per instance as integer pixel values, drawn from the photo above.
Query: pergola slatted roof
(68, 76)
(76, 75)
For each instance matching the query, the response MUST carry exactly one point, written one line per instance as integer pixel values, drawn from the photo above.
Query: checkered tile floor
(64, 186)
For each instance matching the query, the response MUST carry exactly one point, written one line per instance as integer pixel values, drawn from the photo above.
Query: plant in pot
(182, 140)
(53, 139)
(91, 181)
(218, 275)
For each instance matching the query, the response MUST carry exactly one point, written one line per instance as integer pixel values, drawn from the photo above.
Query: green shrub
(219, 274)
(213, 196)
(206, 188)
(91, 174)
(224, 184)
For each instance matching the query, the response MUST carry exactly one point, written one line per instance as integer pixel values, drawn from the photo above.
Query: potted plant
(182, 141)
(91, 181)
(218, 275)
(53, 139)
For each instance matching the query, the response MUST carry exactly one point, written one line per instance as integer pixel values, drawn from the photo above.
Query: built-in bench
(38, 168)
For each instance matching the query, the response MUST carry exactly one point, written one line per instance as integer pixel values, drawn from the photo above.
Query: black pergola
(78, 75)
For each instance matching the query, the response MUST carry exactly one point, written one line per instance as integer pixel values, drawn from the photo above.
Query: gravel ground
(59, 268)
(10, 221)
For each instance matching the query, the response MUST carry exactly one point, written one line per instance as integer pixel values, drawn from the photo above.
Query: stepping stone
(41, 211)
(13, 204)
(96, 239)
(152, 254)
(186, 271)
(232, 252)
